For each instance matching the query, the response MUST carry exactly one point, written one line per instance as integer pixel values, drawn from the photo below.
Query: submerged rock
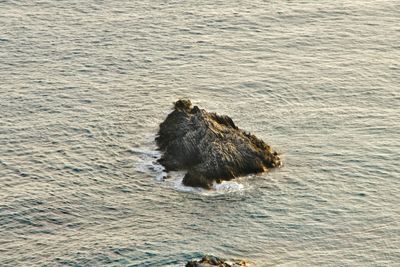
(210, 261)
(210, 147)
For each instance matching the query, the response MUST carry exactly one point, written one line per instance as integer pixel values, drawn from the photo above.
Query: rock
(210, 147)
(210, 261)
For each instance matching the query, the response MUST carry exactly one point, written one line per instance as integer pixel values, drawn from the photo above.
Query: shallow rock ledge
(210, 261)
(210, 147)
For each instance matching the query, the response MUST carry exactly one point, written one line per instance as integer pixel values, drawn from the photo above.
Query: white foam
(228, 186)
(146, 153)
(175, 180)
(147, 163)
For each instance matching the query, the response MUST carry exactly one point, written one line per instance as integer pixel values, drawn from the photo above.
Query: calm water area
(85, 84)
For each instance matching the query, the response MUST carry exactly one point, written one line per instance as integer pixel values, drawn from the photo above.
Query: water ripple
(84, 86)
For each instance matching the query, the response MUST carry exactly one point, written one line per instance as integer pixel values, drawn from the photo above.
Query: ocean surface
(85, 84)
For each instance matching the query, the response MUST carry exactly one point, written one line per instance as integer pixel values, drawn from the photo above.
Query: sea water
(85, 84)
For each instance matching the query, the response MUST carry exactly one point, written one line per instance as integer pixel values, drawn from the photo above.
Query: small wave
(175, 180)
(228, 186)
(146, 153)
(148, 164)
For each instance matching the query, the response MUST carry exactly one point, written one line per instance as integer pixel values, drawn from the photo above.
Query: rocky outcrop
(210, 147)
(210, 261)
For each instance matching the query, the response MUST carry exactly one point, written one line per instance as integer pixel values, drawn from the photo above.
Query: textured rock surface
(210, 147)
(210, 261)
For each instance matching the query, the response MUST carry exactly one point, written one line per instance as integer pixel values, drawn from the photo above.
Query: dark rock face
(210, 147)
(210, 261)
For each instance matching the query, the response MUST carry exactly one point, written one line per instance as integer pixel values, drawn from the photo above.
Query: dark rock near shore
(210, 147)
(210, 261)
